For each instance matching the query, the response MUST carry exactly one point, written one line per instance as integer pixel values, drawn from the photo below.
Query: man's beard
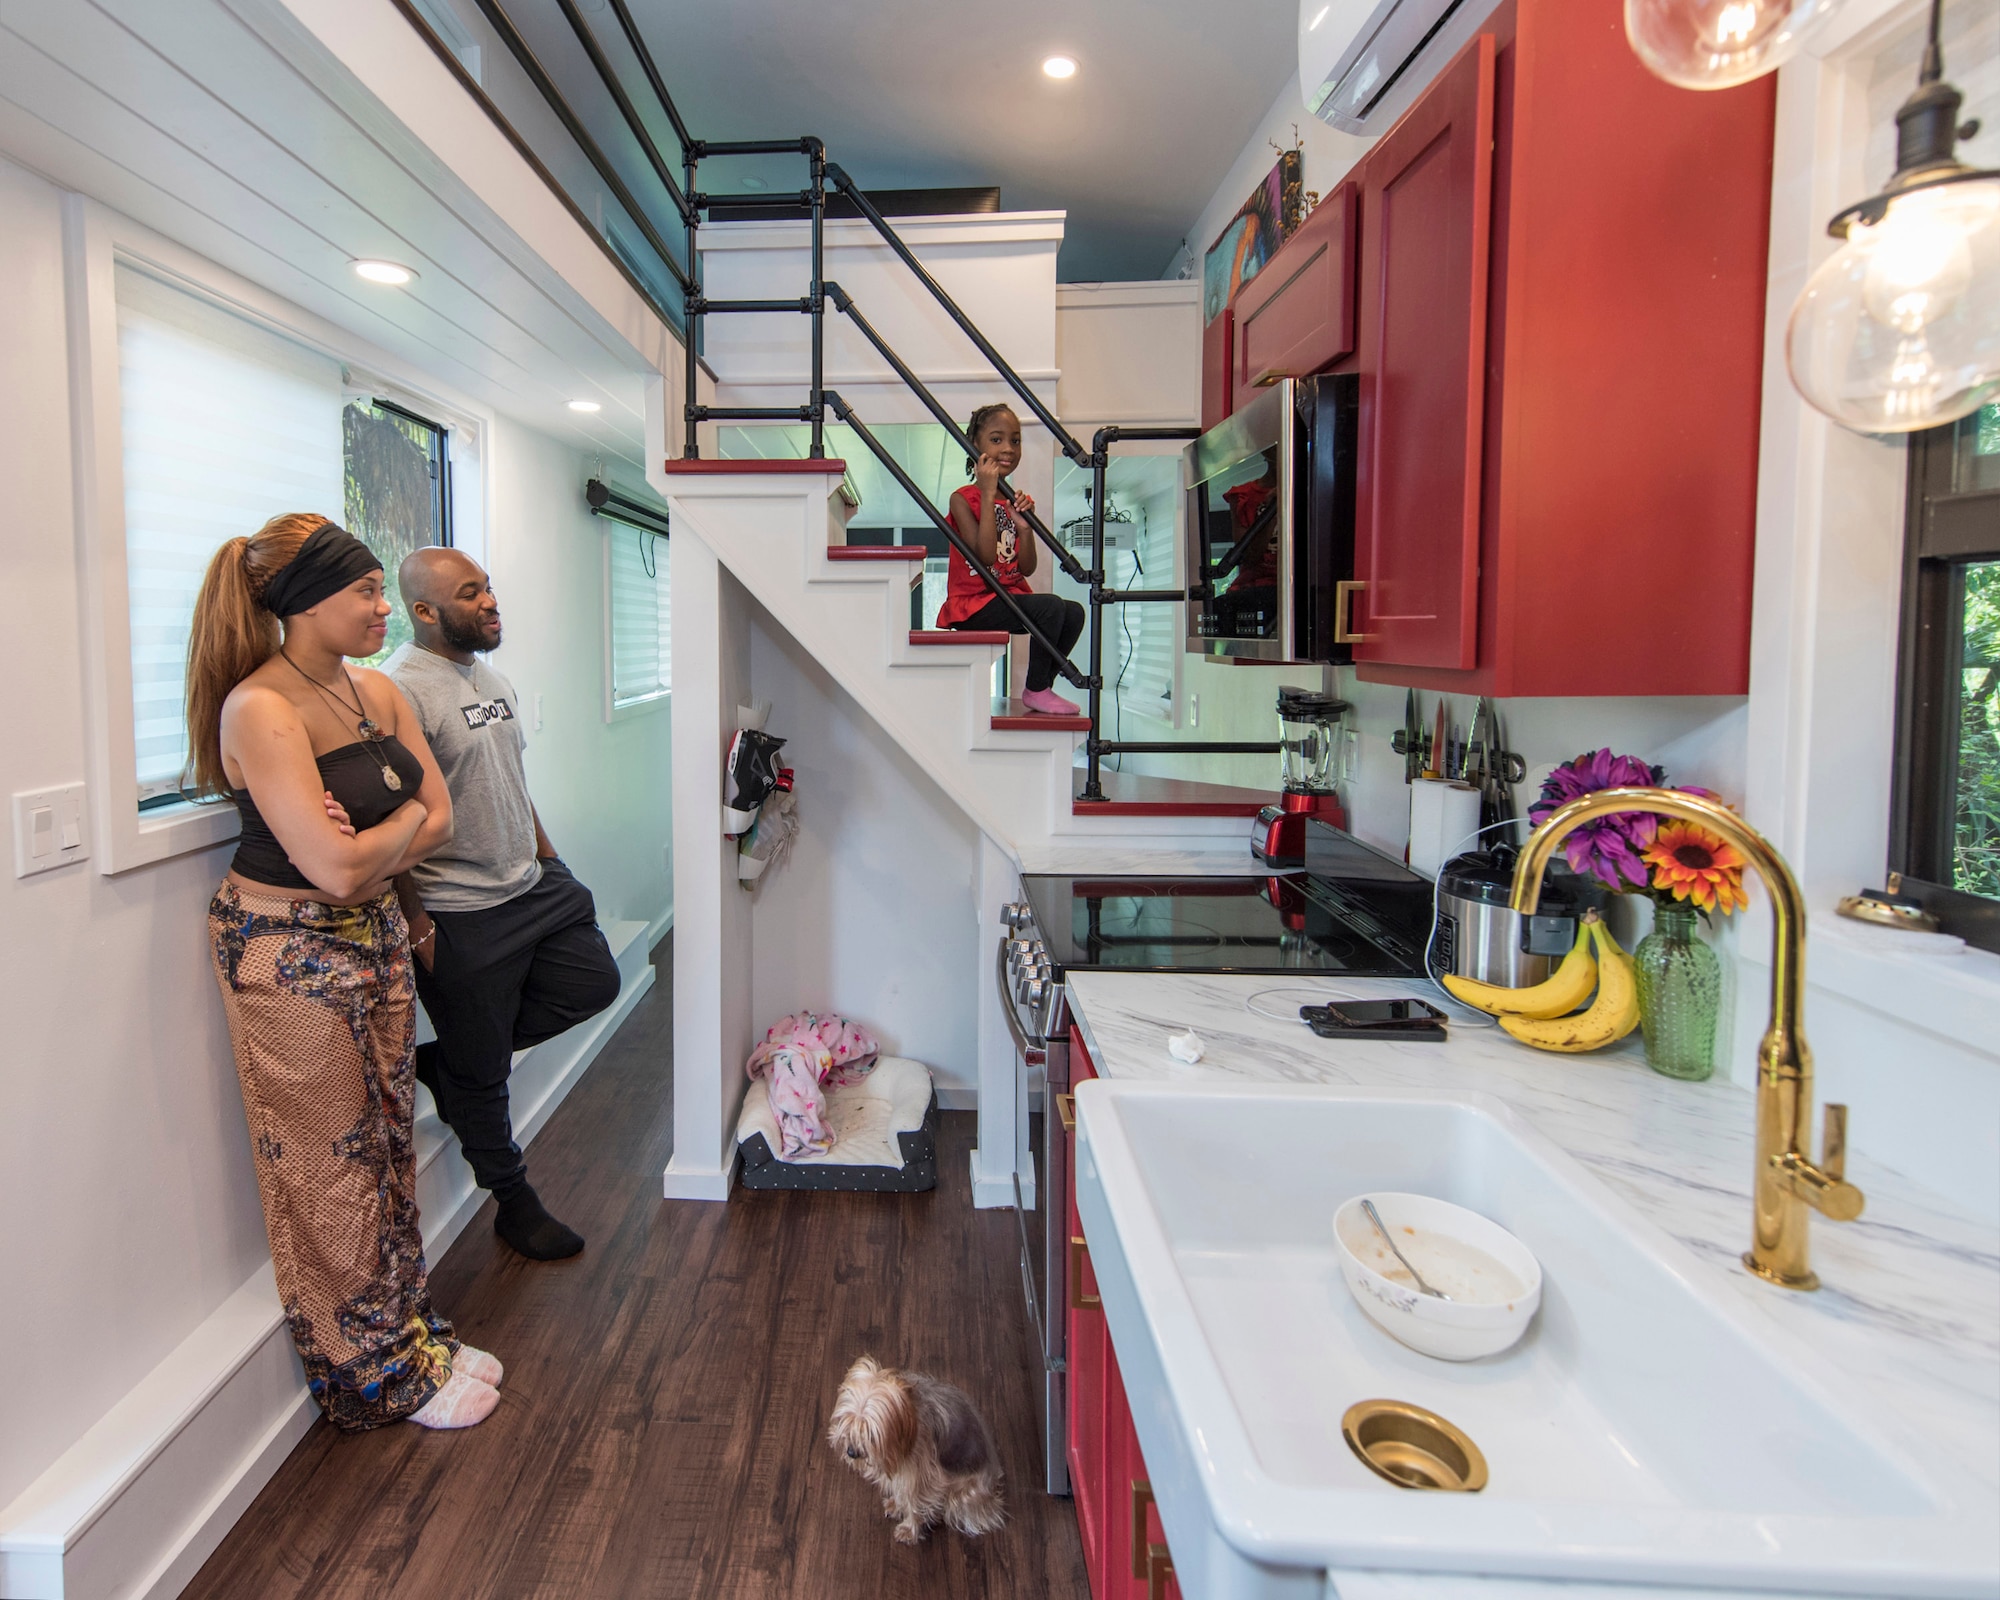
(463, 636)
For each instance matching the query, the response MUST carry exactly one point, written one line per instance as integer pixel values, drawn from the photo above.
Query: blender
(1311, 728)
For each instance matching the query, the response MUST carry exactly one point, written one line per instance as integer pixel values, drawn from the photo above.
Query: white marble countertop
(1909, 1309)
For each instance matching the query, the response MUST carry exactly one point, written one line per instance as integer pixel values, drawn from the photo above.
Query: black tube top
(353, 775)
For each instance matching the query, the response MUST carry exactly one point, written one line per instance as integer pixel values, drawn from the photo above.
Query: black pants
(501, 980)
(1060, 619)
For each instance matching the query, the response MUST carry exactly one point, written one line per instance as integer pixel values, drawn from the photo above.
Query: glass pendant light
(1717, 44)
(1899, 329)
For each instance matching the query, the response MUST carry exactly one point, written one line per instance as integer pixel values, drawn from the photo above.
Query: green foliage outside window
(394, 497)
(1976, 850)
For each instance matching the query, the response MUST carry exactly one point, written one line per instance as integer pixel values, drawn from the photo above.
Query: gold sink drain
(1413, 1448)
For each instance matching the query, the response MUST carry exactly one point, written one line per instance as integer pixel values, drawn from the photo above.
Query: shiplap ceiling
(914, 93)
(218, 124)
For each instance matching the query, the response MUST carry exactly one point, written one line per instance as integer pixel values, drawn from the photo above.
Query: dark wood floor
(660, 1431)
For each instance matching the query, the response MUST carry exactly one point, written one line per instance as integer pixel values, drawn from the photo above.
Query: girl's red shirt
(964, 594)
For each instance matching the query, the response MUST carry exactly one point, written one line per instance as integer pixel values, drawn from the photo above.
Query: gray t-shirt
(468, 717)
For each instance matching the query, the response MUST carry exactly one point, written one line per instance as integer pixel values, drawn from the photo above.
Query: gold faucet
(1787, 1181)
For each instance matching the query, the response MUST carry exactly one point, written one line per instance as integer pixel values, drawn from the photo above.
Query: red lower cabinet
(1124, 1546)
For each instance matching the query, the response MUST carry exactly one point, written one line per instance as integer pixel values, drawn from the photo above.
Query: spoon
(1375, 1217)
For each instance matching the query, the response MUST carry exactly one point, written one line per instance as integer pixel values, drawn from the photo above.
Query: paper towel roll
(1443, 817)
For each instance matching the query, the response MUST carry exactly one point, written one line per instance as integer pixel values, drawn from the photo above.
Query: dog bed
(884, 1128)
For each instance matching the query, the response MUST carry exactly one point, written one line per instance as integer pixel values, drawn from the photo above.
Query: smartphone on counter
(1399, 1020)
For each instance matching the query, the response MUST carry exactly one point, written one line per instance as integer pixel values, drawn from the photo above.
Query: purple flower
(1605, 848)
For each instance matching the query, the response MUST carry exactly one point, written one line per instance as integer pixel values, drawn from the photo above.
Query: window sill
(1952, 995)
(177, 830)
(640, 708)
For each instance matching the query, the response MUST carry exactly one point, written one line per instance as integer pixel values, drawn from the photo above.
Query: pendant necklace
(369, 729)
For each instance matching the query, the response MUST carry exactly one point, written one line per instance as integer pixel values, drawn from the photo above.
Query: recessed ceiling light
(1060, 67)
(383, 272)
(585, 405)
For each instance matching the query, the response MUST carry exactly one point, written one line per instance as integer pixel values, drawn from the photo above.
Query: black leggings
(1060, 619)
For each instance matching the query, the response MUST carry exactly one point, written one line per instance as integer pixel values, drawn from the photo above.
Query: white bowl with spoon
(1480, 1287)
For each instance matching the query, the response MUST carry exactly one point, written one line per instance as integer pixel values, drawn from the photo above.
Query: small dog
(923, 1445)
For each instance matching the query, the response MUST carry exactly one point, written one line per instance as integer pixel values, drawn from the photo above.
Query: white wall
(874, 915)
(124, 1164)
(604, 790)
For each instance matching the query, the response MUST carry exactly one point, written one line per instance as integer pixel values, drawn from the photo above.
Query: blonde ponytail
(233, 635)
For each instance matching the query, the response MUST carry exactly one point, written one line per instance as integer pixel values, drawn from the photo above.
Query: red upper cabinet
(1297, 315)
(1562, 266)
(1427, 191)
(1218, 344)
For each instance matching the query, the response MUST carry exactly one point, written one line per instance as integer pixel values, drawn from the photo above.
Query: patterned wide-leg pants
(320, 1006)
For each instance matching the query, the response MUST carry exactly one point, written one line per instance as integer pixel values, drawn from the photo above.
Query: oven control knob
(1034, 991)
(1015, 914)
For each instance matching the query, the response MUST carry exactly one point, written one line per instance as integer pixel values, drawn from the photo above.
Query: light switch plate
(50, 830)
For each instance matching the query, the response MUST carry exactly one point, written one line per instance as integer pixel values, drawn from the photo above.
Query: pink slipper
(1047, 703)
(478, 1365)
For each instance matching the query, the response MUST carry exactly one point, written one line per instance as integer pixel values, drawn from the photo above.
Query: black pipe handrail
(1013, 379)
(844, 303)
(647, 66)
(987, 576)
(623, 101)
(592, 151)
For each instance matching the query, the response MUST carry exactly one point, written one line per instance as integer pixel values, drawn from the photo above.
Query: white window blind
(642, 625)
(226, 425)
(1155, 630)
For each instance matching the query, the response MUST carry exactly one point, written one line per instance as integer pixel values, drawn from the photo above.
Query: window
(1945, 824)
(641, 614)
(397, 494)
(225, 425)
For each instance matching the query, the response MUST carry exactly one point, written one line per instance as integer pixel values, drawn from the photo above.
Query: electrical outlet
(1194, 711)
(48, 830)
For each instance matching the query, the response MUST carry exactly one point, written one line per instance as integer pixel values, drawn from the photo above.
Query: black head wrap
(329, 560)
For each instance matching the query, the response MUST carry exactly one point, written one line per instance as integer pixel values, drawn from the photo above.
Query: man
(508, 952)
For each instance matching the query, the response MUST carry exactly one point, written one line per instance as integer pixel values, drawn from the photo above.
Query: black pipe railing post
(816, 155)
(1093, 778)
(690, 159)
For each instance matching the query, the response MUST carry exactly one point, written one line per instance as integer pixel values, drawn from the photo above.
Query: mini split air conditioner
(1361, 62)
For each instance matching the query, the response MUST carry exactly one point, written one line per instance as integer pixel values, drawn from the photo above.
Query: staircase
(772, 525)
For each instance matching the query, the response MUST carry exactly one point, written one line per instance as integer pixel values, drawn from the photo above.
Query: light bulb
(393, 273)
(1716, 44)
(1899, 329)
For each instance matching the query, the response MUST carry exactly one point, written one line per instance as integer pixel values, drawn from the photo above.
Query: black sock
(524, 1222)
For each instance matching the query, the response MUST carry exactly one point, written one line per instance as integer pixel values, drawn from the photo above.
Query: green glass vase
(1680, 995)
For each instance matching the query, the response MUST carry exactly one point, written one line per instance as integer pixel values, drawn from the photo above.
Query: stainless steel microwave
(1270, 525)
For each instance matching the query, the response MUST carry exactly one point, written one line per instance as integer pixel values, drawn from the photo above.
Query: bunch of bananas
(1547, 1015)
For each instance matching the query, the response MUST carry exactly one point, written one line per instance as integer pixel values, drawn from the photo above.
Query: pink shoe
(1047, 703)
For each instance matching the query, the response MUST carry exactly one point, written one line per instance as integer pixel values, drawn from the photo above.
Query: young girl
(986, 522)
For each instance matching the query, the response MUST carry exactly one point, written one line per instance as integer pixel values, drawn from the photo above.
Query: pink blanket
(800, 1055)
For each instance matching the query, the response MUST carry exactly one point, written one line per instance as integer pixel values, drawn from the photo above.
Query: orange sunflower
(1697, 865)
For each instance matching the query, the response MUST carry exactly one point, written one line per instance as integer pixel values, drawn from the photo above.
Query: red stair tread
(875, 552)
(1018, 716)
(1137, 794)
(680, 465)
(955, 636)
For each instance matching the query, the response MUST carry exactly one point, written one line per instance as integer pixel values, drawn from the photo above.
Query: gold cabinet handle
(1343, 611)
(1142, 1497)
(1159, 1571)
(1078, 1300)
(1066, 1109)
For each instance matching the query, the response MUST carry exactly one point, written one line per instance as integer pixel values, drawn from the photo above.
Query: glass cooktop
(1286, 922)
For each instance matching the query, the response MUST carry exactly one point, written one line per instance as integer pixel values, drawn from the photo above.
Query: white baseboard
(134, 1507)
(957, 1097)
(687, 1181)
(997, 1194)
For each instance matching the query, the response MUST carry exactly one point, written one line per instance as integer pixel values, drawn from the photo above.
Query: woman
(338, 793)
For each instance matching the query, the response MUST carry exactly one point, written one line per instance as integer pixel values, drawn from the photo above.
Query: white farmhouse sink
(1645, 1431)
